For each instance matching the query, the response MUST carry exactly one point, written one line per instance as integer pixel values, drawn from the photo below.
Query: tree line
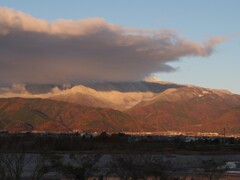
(93, 166)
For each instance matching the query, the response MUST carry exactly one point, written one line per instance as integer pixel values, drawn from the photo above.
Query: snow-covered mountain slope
(153, 105)
(108, 99)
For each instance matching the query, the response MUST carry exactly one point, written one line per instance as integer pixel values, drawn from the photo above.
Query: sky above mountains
(76, 41)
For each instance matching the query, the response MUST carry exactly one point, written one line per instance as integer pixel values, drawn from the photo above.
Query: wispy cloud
(20, 90)
(35, 50)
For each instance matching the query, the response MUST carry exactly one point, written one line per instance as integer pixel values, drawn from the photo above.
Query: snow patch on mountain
(154, 79)
(121, 100)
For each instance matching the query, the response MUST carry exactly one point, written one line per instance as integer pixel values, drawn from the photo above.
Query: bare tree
(156, 168)
(42, 165)
(136, 167)
(212, 169)
(12, 164)
(81, 166)
(3, 172)
(127, 166)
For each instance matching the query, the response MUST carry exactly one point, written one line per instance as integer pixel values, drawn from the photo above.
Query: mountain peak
(154, 79)
(82, 89)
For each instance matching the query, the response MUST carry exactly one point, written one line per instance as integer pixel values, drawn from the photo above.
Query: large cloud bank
(35, 50)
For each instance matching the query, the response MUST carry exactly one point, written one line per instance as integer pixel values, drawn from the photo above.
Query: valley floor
(173, 155)
(182, 166)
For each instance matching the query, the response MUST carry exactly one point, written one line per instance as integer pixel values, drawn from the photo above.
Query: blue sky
(195, 20)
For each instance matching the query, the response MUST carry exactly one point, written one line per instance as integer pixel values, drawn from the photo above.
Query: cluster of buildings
(168, 136)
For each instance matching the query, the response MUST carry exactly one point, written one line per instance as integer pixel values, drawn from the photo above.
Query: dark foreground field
(31, 156)
(117, 143)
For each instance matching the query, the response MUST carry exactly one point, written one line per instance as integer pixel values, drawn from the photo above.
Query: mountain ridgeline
(147, 106)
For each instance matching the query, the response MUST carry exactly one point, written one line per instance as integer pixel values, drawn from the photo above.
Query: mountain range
(150, 105)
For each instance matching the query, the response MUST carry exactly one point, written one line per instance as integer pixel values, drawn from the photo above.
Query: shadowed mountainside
(18, 114)
(190, 109)
(149, 107)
